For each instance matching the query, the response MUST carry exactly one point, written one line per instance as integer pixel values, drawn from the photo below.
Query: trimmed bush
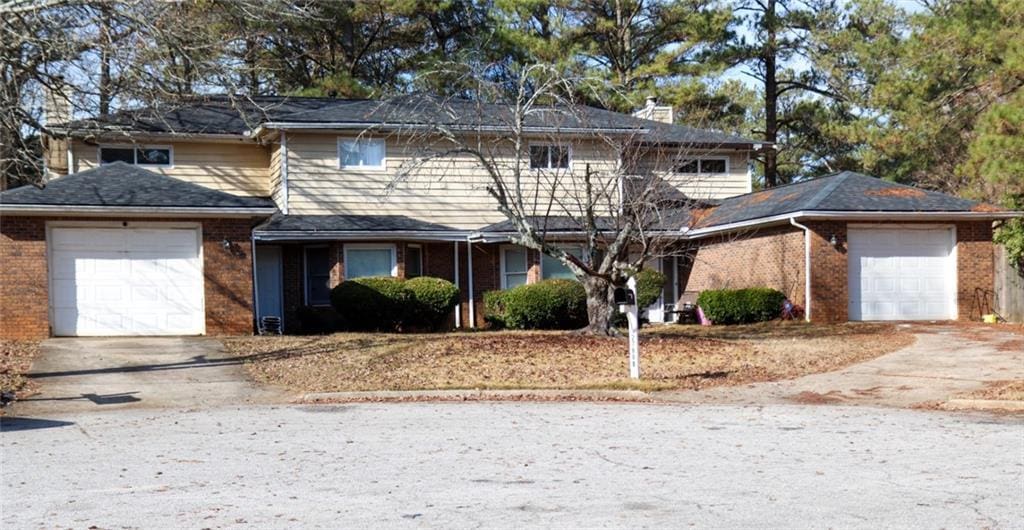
(494, 308)
(433, 301)
(550, 304)
(741, 306)
(649, 284)
(319, 320)
(373, 303)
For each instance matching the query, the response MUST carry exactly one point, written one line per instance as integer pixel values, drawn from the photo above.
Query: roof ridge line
(828, 190)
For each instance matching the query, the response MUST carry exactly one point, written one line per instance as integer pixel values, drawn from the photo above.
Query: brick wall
(24, 291)
(24, 295)
(975, 256)
(829, 279)
(769, 258)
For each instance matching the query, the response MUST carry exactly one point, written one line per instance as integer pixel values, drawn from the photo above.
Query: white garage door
(126, 281)
(902, 273)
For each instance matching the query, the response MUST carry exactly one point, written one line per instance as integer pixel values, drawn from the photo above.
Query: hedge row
(392, 304)
(549, 304)
(741, 306)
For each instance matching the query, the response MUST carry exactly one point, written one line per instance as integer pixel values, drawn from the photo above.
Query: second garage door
(126, 281)
(902, 273)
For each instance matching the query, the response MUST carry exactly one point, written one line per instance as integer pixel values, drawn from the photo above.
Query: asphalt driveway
(80, 375)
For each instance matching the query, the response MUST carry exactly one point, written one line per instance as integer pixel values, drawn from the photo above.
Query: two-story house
(204, 218)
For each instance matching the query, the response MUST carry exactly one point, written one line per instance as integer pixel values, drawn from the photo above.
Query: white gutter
(151, 211)
(458, 306)
(469, 268)
(298, 235)
(852, 216)
(284, 171)
(807, 267)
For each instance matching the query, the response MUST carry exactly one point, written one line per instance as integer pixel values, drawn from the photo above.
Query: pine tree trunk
(600, 307)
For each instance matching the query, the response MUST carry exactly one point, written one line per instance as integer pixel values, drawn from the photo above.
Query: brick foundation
(24, 278)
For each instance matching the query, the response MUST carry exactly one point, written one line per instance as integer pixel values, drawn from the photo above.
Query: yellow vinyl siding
(735, 182)
(451, 191)
(276, 183)
(242, 169)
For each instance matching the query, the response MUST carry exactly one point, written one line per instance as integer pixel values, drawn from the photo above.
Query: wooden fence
(1009, 288)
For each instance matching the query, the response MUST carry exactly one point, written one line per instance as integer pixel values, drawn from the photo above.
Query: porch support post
(458, 306)
(472, 304)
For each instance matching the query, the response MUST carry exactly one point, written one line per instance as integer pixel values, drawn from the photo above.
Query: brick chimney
(653, 111)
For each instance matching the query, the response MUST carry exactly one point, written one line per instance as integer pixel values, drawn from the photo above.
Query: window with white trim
(514, 266)
(362, 260)
(361, 153)
(413, 261)
(549, 157)
(551, 268)
(318, 275)
(703, 166)
(159, 156)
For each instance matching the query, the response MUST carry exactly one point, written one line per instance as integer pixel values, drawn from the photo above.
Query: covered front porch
(298, 260)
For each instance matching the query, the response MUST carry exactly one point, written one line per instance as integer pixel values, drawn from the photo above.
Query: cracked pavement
(512, 465)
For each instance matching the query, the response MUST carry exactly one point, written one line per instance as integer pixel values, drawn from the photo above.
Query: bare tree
(625, 207)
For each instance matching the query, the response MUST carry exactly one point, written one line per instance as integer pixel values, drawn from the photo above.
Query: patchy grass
(672, 357)
(15, 361)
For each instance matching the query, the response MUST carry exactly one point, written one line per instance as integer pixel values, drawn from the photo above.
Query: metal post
(633, 316)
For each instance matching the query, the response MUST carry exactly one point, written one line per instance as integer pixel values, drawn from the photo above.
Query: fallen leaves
(672, 357)
(15, 361)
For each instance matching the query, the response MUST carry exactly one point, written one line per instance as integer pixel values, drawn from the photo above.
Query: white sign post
(633, 316)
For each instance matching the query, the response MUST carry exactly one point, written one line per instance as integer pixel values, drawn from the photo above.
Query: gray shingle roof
(348, 223)
(841, 192)
(237, 115)
(124, 185)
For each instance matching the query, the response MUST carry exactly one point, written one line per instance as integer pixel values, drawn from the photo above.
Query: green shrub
(494, 308)
(649, 284)
(550, 304)
(319, 320)
(741, 306)
(372, 304)
(432, 301)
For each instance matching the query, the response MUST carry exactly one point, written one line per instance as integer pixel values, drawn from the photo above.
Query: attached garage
(126, 281)
(119, 250)
(902, 272)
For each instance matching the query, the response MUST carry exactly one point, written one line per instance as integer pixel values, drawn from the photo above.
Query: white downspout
(458, 306)
(807, 267)
(469, 267)
(284, 170)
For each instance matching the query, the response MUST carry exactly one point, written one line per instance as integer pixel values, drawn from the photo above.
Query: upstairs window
(361, 153)
(137, 155)
(549, 157)
(703, 166)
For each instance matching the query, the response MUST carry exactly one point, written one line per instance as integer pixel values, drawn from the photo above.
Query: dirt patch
(896, 192)
(15, 361)
(672, 357)
(1014, 345)
(814, 398)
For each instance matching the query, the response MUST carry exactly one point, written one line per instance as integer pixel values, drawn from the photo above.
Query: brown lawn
(672, 357)
(15, 360)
